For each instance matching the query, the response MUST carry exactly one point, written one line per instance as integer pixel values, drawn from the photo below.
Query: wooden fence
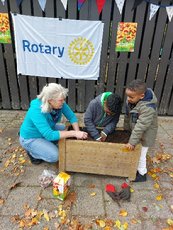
(152, 59)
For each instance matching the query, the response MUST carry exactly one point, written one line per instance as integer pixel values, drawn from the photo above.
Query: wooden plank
(72, 14)
(113, 56)
(62, 155)
(104, 52)
(155, 49)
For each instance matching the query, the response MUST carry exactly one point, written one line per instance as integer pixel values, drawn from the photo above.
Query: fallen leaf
(45, 228)
(117, 224)
(93, 194)
(124, 226)
(45, 214)
(15, 185)
(123, 212)
(156, 186)
(71, 199)
(172, 207)
(1, 201)
(155, 160)
(131, 189)
(101, 223)
(170, 222)
(159, 197)
(91, 186)
(171, 174)
(15, 218)
(145, 209)
(39, 198)
(134, 221)
(107, 228)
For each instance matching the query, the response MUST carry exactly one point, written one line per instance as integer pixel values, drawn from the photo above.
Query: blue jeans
(40, 148)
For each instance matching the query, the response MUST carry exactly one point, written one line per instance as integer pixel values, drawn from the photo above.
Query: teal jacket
(42, 125)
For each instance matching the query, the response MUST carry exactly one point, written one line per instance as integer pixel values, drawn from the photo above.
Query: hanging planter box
(106, 158)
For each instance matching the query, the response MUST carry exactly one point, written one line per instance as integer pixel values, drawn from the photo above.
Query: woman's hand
(129, 146)
(81, 135)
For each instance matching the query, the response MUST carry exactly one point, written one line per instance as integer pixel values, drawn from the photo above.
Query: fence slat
(113, 56)
(133, 59)
(49, 12)
(37, 11)
(11, 71)
(170, 110)
(155, 49)
(5, 94)
(72, 14)
(164, 61)
(83, 15)
(122, 67)
(60, 13)
(104, 54)
(23, 83)
(90, 84)
(168, 86)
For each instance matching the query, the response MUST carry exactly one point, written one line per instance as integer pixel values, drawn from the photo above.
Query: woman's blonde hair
(51, 91)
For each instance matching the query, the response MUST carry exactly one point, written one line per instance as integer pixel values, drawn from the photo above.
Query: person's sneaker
(140, 178)
(33, 160)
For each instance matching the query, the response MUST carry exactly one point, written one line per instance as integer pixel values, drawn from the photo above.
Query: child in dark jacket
(103, 111)
(141, 120)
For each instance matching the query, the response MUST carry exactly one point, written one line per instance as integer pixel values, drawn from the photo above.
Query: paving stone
(20, 196)
(87, 180)
(147, 199)
(49, 204)
(87, 205)
(113, 210)
(2, 126)
(7, 224)
(30, 179)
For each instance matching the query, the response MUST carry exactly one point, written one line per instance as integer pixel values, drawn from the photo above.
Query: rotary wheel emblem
(81, 51)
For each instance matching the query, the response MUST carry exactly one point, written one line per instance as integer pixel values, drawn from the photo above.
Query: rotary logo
(81, 51)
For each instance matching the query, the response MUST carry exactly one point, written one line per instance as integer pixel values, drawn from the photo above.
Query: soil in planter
(118, 136)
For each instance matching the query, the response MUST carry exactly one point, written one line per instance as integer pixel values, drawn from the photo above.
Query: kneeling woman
(40, 130)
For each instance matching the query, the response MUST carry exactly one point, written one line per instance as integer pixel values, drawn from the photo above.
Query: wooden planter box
(98, 158)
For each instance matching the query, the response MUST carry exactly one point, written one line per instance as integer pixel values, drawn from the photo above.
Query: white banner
(50, 47)
(153, 10)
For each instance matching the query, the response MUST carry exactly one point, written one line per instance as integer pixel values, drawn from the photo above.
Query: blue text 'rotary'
(40, 48)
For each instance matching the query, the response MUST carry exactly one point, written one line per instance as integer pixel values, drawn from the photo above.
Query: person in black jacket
(103, 111)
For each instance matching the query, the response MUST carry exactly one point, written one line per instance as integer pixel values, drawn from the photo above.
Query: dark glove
(125, 193)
